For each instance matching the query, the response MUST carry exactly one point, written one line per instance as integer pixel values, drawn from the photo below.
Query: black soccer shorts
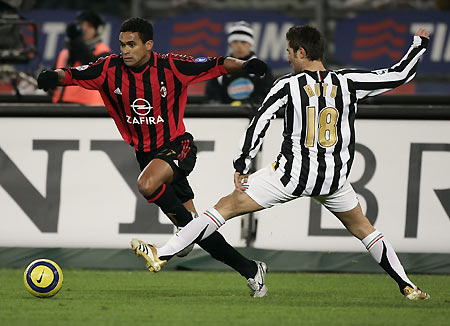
(181, 154)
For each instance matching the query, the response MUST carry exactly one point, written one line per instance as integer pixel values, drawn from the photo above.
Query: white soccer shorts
(265, 188)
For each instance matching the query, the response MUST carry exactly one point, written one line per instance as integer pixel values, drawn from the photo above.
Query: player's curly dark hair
(138, 25)
(308, 38)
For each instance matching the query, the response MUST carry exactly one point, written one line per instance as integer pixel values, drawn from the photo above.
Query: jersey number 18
(326, 128)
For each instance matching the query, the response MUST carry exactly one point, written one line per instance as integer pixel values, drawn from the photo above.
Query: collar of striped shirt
(317, 75)
(150, 62)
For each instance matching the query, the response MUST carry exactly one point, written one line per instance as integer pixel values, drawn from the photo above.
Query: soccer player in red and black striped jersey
(145, 93)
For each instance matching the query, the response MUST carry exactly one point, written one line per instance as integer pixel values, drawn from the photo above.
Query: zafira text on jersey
(144, 120)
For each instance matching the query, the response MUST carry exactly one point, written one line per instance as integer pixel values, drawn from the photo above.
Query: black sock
(215, 244)
(221, 250)
(386, 265)
(169, 203)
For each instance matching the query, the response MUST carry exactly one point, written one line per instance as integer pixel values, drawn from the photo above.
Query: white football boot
(148, 252)
(415, 294)
(257, 283)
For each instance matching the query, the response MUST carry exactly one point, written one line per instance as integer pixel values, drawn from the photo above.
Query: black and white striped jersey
(319, 134)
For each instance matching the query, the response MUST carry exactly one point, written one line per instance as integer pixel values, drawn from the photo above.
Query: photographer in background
(239, 88)
(83, 45)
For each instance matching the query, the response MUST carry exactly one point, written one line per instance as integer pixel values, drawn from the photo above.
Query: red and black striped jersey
(146, 103)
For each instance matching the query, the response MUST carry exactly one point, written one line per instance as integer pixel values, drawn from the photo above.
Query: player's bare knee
(231, 205)
(224, 203)
(146, 185)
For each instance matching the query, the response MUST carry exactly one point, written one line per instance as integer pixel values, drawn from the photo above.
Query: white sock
(383, 253)
(196, 230)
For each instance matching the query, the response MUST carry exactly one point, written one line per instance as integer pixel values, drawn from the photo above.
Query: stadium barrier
(67, 190)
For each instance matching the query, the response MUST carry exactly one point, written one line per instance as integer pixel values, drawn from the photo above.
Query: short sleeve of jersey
(89, 76)
(191, 70)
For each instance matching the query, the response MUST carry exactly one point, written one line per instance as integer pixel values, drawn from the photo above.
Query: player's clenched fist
(47, 79)
(255, 66)
(422, 32)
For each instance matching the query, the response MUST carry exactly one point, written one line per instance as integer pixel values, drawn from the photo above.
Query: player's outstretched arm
(252, 138)
(89, 76)
(371, 83)
(253, 66)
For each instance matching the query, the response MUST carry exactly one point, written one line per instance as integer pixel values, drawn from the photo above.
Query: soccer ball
(43, 278)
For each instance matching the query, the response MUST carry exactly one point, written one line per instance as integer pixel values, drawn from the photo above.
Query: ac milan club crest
(163, 91)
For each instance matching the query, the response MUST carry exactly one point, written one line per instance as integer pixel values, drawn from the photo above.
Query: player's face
(135, 53)
(294, 59)
(240, 49)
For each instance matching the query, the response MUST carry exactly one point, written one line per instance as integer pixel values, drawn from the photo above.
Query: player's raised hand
(422, 32)
(239, 179)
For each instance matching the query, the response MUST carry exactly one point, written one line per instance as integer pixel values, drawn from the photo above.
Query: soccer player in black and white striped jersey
(317, 151)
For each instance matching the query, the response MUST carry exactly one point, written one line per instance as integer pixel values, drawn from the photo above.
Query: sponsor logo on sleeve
(81, 68)
(201, 59)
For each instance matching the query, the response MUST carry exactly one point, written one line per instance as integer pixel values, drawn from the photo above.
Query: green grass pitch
(222, 298)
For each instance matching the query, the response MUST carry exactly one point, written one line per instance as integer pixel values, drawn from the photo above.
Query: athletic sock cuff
(158, 193)
(215, 216)
(371, 239)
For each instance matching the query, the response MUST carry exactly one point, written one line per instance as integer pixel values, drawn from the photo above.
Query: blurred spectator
(442, 4)
(17, 46)
(83, 45)
(240, 88)
(10, 33)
